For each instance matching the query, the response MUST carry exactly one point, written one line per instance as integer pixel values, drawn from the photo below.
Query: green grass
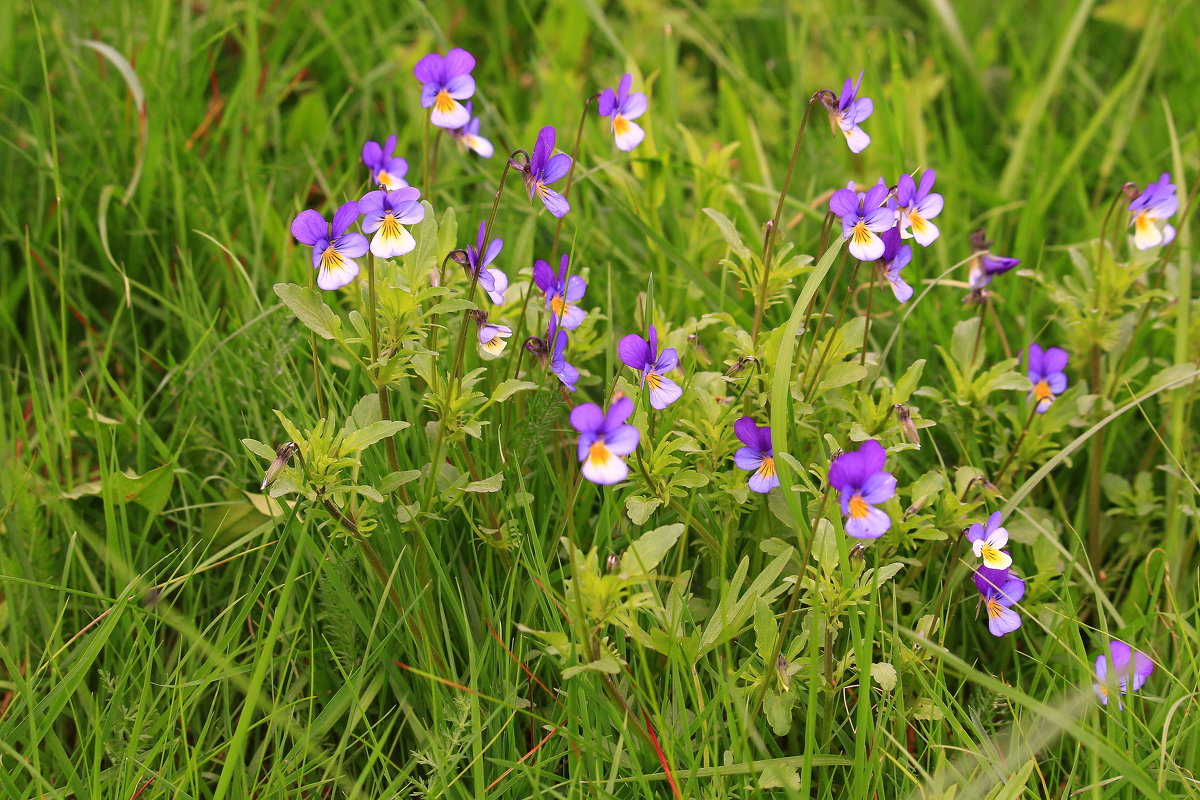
(166, 628)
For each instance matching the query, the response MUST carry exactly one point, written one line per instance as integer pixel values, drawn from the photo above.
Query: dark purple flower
(895, 257)
(862, 484)
(642, 355)
(446, 80)
(1001, 590)
(492, 280)
(986, 542)
(757, 455)
(1046, 374)
(604, 440)
(917, 205)
(386, 170)
(468, 137)
(333, 250)
(556, 337)
(544, 169)
(1129, 670)
(1149, 213)
(385, 214)
(561, 292)
(985, 266)
(864, 216)
(851, 110)
(623, 107)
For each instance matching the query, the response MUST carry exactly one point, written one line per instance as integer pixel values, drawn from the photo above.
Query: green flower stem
(816, 378)
(1013, 452)
(381, 387)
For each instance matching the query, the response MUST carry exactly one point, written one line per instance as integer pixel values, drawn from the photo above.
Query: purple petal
(622, 440)
(988, 580)
(746, 431)
(844, 203)
(587, 418)
(458, 62)
(1057, 382)
(1035, 358)
(344, 218)
(861, 109)
(1054, 360)
(875, 198)
(623, 87)
(975, 532)
(851, 470)
(927, 179)
(556, 168)
(607, 102)
(586, 439)
(634, 352)
(1143, 667)
(430, 69)
(353, 245)
(1006, 621)
(763, 480)
(371, 203)
(879, 488)
(875, 524)
(748, 457)
(576, 287)
(634, 106)
(906, 191)
(460, 87)
(618, 412)
(372, 155)
(555, 203)
(542, 148)
(542, 276)
(309, 227)
(1011, 591)
(667, 360)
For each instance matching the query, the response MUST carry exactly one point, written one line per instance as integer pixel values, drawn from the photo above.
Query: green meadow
(428, 598)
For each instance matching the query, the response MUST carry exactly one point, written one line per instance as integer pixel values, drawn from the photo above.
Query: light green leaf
(643, 555)
(639, 508)
(369, 435)
(259, 449)
(486, 485)
(310, 309)
(509, 388)
(730, 232)
(884, 675)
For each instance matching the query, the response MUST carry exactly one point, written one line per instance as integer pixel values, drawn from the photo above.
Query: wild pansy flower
(642, 355)
(385, 214)
(622, 108)
(491, 280)
(1130, 668)
(561, 292)
(757, 455)
(492, 337)
(1001, 590)
(896, 257)
(604, 440)
(447, 79)
(544, 169)
(556, 338)
(851, 110)
(333, 249)
(1149, 212)
(985, 266)
(1046, 374)
(386, 170)
(862, 484)
(917, 204)
(987, 541)
(468, 137)
(864, 215)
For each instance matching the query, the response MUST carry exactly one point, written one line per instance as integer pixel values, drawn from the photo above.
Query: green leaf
(310, 309)
(643, 555)
(491, 484)
(509, 388)
(639, 508)
(364, 437)
(729, 231)
(884, 675)
(259, 449)
(150, 490)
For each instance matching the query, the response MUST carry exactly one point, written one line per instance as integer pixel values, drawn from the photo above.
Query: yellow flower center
(989, 553)
(767, 468)
(1041, 392)
(861, 233)
(994, 609)
(331, 258)
(444, 102)
(858, 507)
(1143, 221)
(384, 178)
(558, 305)
(653, 380)
(620, 125)
(599, 453)
(390, 228)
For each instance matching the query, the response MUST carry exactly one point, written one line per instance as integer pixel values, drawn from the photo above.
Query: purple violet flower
(604, 440)
(468, 137)
(561, 292)
(386, 170)
(987, 541)
(1149, 213)
(917, 205)
(385, 214)
(1001, 590)
(1130, 669)
(850, 111)
(493, 337)
(757, 455)
(985, 266)
(556, 337)
(544, 169)
(862, 484)
(864, 215)
(642, 355)
(491, 280)
(895, 257)
(333, 250)
(447, 79)
(1046, 374)
(623, 107)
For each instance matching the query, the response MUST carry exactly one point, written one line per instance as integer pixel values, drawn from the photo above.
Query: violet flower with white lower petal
(385, 214)
(642, 355)
(918, 204)
(333, 249)
(491, 280)
(864, 215)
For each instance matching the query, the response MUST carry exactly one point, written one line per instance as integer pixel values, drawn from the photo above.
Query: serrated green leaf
(308, 307)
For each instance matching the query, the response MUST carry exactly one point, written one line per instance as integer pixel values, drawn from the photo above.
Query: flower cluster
(1123, 669)
(998, 587)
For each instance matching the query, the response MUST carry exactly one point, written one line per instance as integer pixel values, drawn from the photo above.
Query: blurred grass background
(144, 221)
